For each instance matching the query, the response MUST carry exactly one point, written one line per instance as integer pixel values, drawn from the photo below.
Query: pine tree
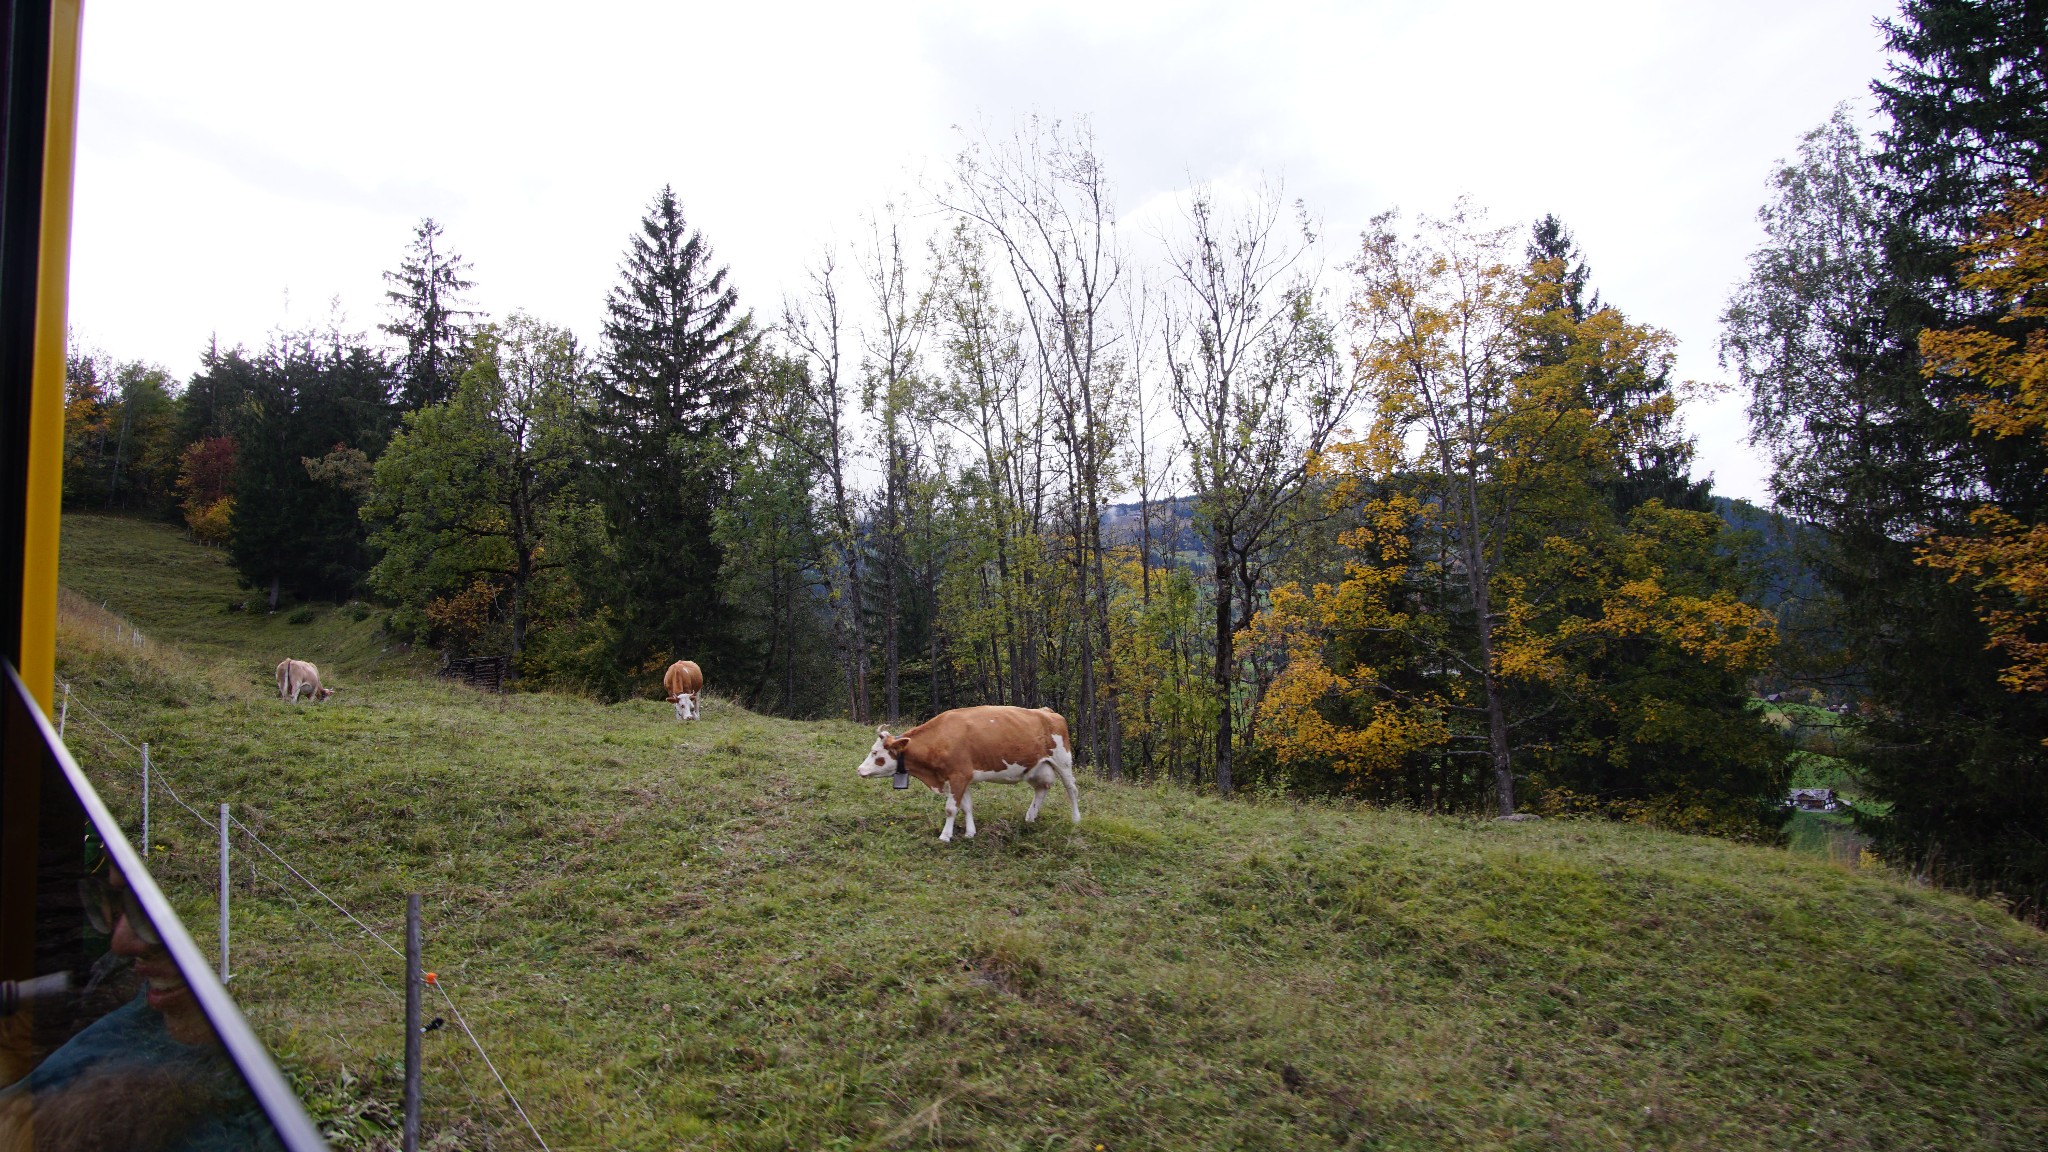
(1551, 243)
(1659, 464)
(1648, 724)
(673, 363)
(316, 412)
(212, 400)
(1863, 257)
(428, 318)
(1957, 753)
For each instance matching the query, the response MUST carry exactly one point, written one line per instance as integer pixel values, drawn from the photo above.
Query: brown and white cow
(296, 676)
(955, 749)
(684, 682)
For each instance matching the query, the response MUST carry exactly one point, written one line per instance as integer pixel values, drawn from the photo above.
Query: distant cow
(296, 676)
(955, 749)
(684, 683)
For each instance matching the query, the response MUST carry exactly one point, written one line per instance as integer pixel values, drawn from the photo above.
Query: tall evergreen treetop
(672, 342)
(315, 412)
(675, 370)
(428, 317)
(1656, 464)
(1550, 242)
(1968, 102)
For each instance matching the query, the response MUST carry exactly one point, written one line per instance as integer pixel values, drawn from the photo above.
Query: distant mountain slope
(1173, 525)
(1776, 541)
(1780, 546)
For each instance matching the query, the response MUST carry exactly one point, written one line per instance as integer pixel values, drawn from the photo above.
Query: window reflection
(106, 1045)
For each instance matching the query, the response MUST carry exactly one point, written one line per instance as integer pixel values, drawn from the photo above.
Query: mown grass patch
(715, 935)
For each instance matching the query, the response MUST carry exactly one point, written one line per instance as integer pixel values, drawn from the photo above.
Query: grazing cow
(955, 749)
(296, 676)
(684, 682)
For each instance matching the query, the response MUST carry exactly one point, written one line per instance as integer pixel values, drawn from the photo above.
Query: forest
(1408, 517)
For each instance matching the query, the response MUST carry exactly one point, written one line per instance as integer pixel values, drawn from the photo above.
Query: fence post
(223, 892)
(412, 1023)
(64, 710)
(145, 801)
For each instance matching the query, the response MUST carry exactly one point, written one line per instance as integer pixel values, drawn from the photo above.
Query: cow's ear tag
(901, 779)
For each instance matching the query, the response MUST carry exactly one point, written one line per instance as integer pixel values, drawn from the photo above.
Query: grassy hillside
(715, 936)
(184, 595)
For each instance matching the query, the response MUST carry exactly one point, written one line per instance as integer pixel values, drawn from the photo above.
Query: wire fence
(157, 780)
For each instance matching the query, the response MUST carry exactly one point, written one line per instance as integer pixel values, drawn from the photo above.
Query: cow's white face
(325, 693)
(883, 758)
(686, 706)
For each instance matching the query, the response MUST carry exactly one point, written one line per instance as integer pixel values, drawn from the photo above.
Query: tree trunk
(857, 629)
(853, 613)
(892, 559)
(1497, 736)
(789, 653)
(518, 619)
(120, 449)
(1224, 662)
(1145, 587)
(854, 692)
(522, 566)
(1482, 607)
(1111, 728)
(1009, 598)
(1027, 695)
(931, 642)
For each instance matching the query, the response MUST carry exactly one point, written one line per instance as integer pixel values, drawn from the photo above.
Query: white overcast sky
(240, 165)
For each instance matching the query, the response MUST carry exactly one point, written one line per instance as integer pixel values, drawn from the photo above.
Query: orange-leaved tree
(206, 487)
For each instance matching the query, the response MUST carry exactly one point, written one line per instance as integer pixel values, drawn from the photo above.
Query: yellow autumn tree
(2008, 561)
(1519, 606)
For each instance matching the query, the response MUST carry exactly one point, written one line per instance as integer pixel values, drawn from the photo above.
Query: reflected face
(132, 935)
(167, 991)
(881, 760)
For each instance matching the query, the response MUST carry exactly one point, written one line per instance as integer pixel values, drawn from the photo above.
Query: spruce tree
(1551, 243)
(1862, 259)
(673, 359)
(315, 413)
(212, 401)
(428, 318)
(1959, 755)
(1658, 465)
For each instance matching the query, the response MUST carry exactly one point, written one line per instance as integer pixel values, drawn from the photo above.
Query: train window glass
(114, 1039)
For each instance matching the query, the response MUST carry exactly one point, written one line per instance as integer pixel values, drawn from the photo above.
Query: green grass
(715, 936)
(182, 594)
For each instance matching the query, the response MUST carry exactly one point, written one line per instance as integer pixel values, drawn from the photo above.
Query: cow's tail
(1062, 758)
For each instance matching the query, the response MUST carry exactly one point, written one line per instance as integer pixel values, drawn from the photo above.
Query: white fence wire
(157, 780)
